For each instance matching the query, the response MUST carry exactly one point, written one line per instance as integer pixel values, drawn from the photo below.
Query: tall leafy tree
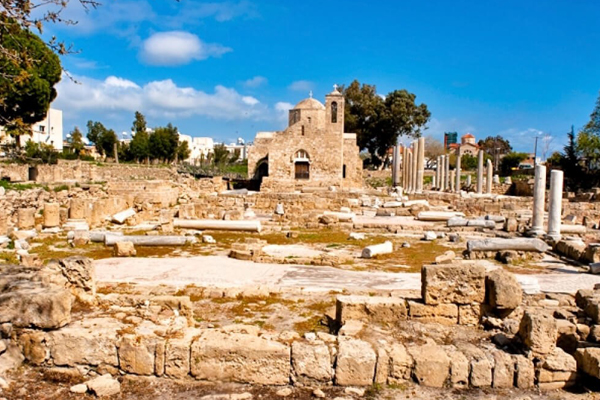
(183, 151)
(220, 154)
(104, 139)
(163, 143)
(495, 145)
(588, 139)
(26, 86)
(139, 146)
(379, 121)
(76, 141)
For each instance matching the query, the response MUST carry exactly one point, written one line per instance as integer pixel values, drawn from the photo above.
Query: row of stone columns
(554, 203)
(413, 166)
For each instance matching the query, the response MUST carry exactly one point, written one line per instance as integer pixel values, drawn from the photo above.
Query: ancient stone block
(459, 367)
(217, 356)
(469, 314)
(45, 308)
(355, 363)
(370, 308)
(311, 362)
(442, 313)
(26, 218)
(481, 372)
(432, 365)
(92, 341)
(503, 291)
(401, 362)
(504, 370)
(79, 209)
(34, 348)
(524, 372)
(538, 332)
(51, 215)
(124, 249)
(455, 283)
(177, 355)
(588, 360)
(104, 385)
(136, 355)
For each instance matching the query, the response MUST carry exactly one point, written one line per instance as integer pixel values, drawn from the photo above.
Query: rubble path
(224, 272)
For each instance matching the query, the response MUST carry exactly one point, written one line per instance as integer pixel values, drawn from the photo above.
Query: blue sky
(229, 69)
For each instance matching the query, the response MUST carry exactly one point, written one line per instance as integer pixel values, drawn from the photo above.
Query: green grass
(19, 187)
(61, 188)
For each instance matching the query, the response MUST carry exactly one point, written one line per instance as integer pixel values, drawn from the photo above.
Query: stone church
(313, 151)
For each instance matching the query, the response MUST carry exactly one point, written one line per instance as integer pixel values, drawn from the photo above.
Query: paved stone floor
(224, 272)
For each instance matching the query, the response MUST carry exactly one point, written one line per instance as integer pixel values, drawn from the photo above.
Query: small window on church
(302, 130)
(344, 171)
(334, 112)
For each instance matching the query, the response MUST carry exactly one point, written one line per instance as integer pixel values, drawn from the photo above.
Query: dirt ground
(31, 384)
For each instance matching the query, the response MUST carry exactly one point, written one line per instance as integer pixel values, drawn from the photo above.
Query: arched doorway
(301, 165)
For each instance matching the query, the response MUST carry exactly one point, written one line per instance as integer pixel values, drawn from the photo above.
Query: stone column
(420, 164)
(447, 173)
(433, 181)
(404, 158)
(410, 171)
(480, 172)
(442, 167)
(488, 182)
(415, 156)
(539, 194)
(116, 152)
(51, 215)
(496, 179)
(438, 172)
(26, 218)
(452, 179)
(396, 166)
(469, 180)
(457, 184)
(555, 204)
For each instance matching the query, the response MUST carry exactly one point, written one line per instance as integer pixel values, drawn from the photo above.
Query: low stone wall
(155, 192)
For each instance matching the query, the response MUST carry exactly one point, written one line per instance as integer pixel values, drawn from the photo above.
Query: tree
(235, 156)
(183, 151)
(220, 154)
(379, 122)
(104, 139)
(140, 141)
(468, 162)
(76, 141)
(26, 88)
(588, 139)
(510, 161)
(163, 143)
(433, 149)
(495, 145)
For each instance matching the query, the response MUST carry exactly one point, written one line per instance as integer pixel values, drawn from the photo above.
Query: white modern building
(200, 147)
(48, 131)
(240, 146)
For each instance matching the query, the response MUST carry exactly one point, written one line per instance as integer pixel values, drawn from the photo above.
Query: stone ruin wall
(80, 171)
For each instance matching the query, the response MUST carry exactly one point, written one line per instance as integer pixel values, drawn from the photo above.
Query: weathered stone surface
(34, 348)
(588, 360)
(503, 291)
(80, 272)
(559, 360)
(217, 356)
(91, 341)
(469, 314)
(446, 258)
(45, 308)
(499, 244)
(432, 365)
(504, 369)
(455, 283)
(311, 362)
(124, 249)
(51, 215)
(377, 249)
(524, 372)
(26, 218)
(136, 354)
(400, 361)
(355, 363)
(104, 385)
(459, 367)
(370, 308)
(481, 372)
(177, 355)
(446, 314)
(538, 332)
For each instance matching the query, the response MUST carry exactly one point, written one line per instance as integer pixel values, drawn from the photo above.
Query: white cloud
(301, 86)
(282, 109)
(178, 48)
(255, 82)
(156, 98)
